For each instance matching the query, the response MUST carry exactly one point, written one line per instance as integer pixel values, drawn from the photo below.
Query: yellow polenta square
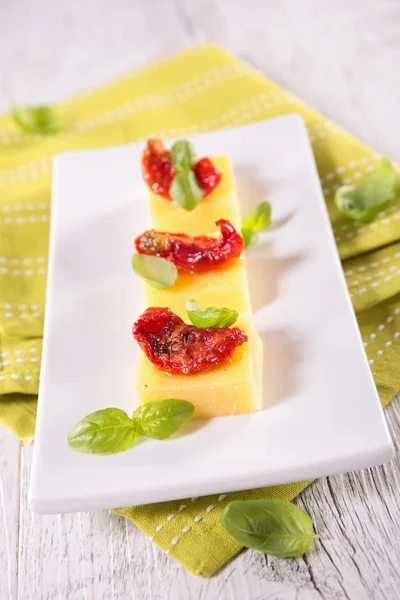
(221, 203)
(226, 286)
(230, 389)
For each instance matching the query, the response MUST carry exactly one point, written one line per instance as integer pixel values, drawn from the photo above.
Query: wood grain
(342, 57)
(9, 513)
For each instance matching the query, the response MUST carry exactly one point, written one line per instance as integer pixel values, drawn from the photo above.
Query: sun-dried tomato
(193, 254)
(157, 168)
(158, 171)
(175, 347)
(207, 175)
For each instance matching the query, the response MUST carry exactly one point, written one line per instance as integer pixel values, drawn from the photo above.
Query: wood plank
(38, 558)
(9, 513)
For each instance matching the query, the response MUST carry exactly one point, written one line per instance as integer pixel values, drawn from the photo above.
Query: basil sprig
(111, 430)
(274, 527)
(160, 273)
(364, 201)
(210, 317)
(185, 188)
(36, 119)
(255, 220)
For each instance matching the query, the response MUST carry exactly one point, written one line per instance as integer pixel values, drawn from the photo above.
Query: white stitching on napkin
(24, 220)
(176, 95)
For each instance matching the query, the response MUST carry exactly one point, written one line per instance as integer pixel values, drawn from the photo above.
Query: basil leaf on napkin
(255, 220)
(183, 155)
(162, 418)
(364, 201)
(160, 273)
(105, 431)
(274, 527)
(185, 190)
(210, 317)
(36, 119)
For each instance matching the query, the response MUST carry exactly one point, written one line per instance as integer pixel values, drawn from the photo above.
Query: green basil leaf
(185, 190)
(36, 119)
(255, 220)
(104, 432)
(183, 155)
(162, 418)
(210, 317)
(274, 527)
(364, 201)
(160, 273)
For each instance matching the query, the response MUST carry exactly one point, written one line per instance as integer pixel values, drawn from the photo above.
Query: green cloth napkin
(198, 90)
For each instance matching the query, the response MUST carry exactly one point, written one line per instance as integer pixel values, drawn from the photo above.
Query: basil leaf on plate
(274, 527)
(36, 119)
(210, 317)
(162, 418)
(255, 220)
(104, 432)
(160, 273)
(185, 190)
(364, 201)
(183, 155)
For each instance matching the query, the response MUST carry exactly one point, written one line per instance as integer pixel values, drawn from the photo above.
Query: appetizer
(211, 269)
(159, 169)
(217, 369)
(179, 186)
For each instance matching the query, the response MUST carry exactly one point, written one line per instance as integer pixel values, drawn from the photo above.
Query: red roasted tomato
(175, 347)
(157, 168)
(207, 175)
(193, 254)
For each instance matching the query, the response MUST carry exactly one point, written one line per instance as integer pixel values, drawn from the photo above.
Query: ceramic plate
(321, 412)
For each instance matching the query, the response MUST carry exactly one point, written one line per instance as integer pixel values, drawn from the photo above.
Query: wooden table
(342, 57)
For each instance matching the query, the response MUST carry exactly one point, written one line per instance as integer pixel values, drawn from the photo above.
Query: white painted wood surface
(342, 57)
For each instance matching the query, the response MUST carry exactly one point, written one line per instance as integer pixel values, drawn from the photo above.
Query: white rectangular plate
(321, 413)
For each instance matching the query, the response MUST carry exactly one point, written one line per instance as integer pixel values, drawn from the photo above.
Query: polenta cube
(232, 388)
(220, 203)
(226, 286)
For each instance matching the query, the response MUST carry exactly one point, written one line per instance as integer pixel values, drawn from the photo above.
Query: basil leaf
(160, 273)
(185, 190)
(210, 317)
(36, 119)
(364, 201)
(273, 526)
(183, 155)
(255, 220)
(105, 431)
(162, 418)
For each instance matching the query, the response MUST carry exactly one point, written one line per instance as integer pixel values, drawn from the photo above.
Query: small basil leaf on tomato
(162, 418)
(210, 317)
(183, 155)
(364, 201)
(36, 119)
(255, 220)
(105, 431)
(185, 190)
(158, 272)
(274, 527)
